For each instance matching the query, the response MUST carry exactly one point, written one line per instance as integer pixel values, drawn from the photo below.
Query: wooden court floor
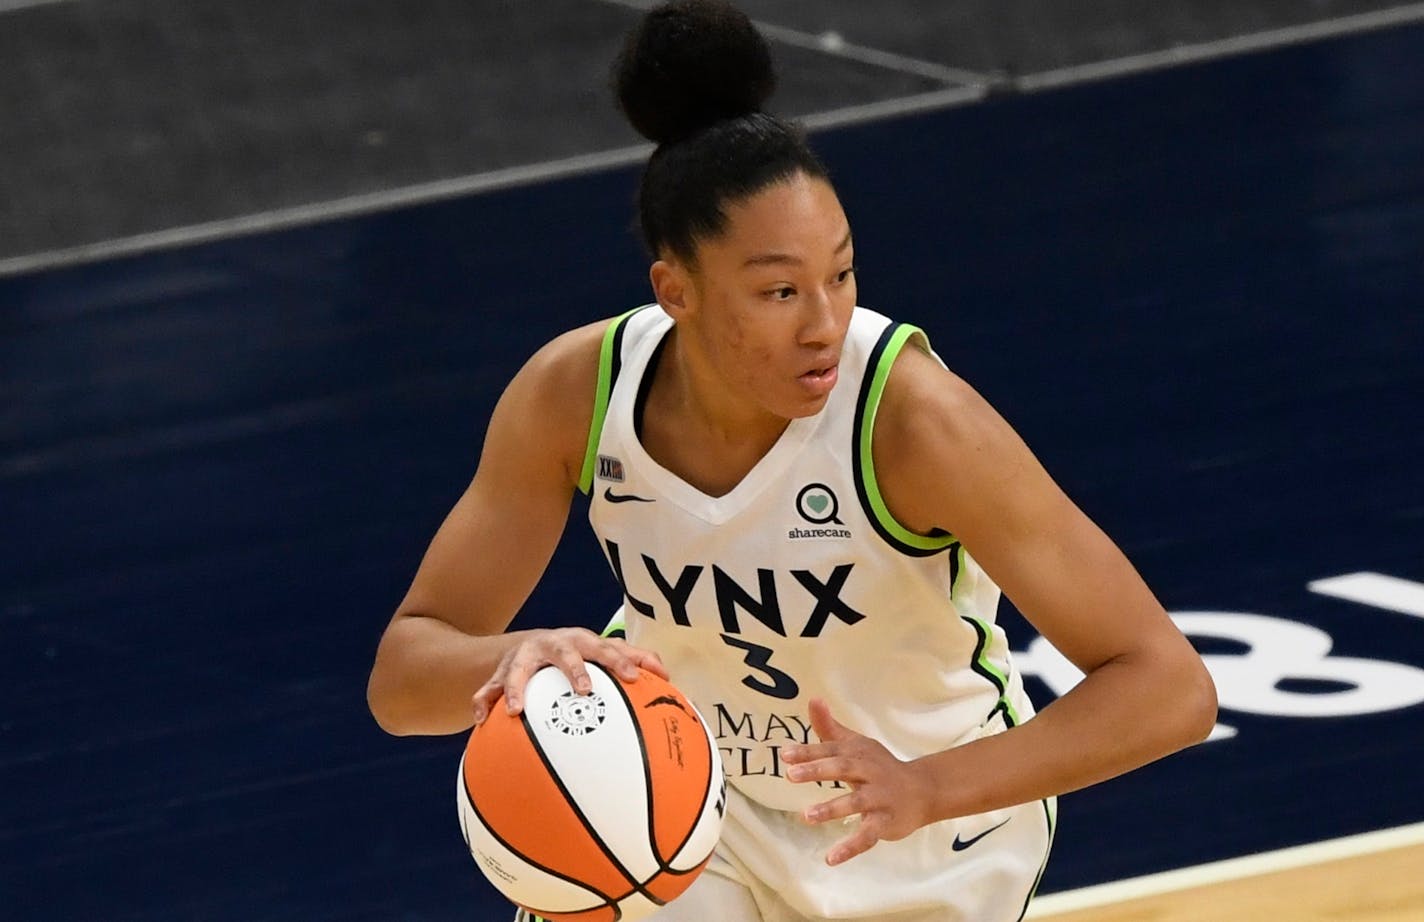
(1370, 880)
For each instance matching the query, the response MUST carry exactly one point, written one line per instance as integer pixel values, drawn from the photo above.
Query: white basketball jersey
(798, 583)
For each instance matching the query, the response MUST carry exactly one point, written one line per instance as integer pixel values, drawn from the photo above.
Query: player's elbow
(393, 702)
(384, 705)
(1196, 701)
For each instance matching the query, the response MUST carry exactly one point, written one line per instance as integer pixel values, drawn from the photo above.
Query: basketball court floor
(264, 268)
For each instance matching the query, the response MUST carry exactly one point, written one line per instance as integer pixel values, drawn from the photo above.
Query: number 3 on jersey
(759, 658)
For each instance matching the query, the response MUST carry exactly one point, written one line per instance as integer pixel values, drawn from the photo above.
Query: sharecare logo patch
(797, 533)
(818, 505)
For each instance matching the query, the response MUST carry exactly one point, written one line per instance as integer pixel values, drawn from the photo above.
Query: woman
(811, 519)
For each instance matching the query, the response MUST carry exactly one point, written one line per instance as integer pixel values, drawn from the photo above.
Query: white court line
(333, 209)
(438, 190)
(12, 6)
(1223, 47)
(890, 108)
(1222, 871)
(833, 44)
(470, 184)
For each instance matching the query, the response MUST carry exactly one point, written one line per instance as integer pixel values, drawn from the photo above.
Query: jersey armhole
(610, 358)
(877, 372)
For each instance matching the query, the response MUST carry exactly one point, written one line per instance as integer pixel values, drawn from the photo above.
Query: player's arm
(446, 640)
(948, 460)
(945, 459)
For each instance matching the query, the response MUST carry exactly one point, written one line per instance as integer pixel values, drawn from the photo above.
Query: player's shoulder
(940, 450)
(566, 365)
(933, 423)
(921, 390)
(550, 401)
(570, 364)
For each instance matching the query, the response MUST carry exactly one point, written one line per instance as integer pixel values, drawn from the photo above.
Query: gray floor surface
(121, 118)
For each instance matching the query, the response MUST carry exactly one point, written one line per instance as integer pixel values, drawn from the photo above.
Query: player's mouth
(819, 381)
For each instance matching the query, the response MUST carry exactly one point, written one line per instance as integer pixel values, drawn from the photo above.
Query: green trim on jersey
(885, 522)
(616, 628)
(986, 668)
(607, 365)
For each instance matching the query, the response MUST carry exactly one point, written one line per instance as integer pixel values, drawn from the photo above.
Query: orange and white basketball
(592, 808)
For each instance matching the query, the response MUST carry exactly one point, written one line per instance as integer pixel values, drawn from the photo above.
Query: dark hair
(692, 77)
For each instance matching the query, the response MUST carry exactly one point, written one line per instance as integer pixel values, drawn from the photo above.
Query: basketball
(592, 808)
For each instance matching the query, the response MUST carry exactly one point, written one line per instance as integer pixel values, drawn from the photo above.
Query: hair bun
(689, 64)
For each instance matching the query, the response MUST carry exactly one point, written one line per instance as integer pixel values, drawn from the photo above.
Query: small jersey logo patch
(610, 469)
(818, 505)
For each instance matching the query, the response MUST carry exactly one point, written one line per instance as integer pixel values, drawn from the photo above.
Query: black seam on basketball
(647, 767)
(857, 463)
(701, 810)
(647, 783)
(470, 801)
(713, 755)
(573, 804)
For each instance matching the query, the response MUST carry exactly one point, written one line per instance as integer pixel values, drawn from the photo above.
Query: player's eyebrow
(776, 259)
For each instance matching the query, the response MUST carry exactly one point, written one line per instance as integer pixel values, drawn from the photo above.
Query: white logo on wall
(577, 715)
(1280, 655)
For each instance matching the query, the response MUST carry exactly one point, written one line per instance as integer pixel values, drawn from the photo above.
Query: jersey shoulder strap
(882, 356)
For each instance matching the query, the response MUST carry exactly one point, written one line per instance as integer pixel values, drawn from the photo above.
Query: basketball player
(810, 519)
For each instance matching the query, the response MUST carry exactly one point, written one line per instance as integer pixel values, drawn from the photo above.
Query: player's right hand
(568, 648)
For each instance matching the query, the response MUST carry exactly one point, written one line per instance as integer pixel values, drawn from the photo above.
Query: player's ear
(671, 286)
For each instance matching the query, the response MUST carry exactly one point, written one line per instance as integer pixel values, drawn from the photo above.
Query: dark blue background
(1196, 293)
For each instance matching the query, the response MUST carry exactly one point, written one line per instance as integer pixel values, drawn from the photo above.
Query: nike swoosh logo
(961, 844)
(612, 497)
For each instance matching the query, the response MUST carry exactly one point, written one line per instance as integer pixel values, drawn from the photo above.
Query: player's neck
(696, 433)
(703, 404)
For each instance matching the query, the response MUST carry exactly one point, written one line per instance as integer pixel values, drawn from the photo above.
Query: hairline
(697, 239)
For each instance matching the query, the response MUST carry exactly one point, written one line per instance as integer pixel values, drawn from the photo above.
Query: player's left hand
(887, 794)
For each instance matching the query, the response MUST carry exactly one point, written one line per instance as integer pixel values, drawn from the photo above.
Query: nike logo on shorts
(961, 844)
(612, 497)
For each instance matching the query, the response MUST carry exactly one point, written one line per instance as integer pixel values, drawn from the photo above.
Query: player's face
(773, 294)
